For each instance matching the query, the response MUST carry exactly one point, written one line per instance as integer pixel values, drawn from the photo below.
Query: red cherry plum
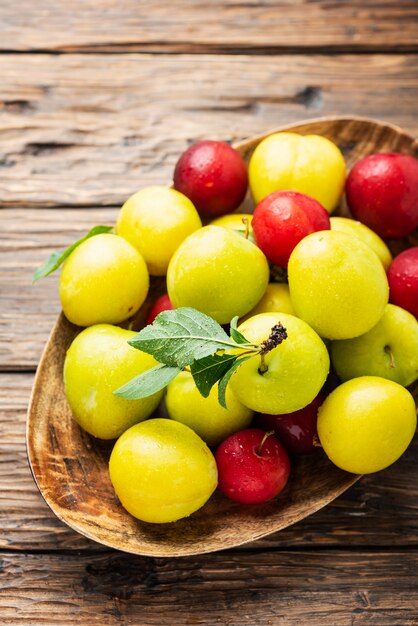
(403, 280)
(213, 175)
(253, 466)
(382, 192)
(282, 219)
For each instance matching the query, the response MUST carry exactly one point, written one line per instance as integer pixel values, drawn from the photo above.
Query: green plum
(366, 424)
(309, 164)
(389, 349)
(337, 284)
(99, 361)
(156, 220)
(296, 369)
(363, 232)
(275, 298)
(205, 416)
(105, 280)
(234, 221)
(218, 272)
(162, 471)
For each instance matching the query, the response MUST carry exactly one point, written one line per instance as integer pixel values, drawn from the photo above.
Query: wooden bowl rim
(325, 119)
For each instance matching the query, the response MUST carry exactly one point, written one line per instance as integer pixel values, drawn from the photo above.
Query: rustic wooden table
(98, 99)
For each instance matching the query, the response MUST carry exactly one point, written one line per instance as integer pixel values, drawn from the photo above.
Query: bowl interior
(70, 467)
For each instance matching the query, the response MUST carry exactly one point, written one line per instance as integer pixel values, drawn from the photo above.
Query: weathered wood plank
(218, 25)
(258, 589)
(27, 311)
(380, 510)
(91, 129)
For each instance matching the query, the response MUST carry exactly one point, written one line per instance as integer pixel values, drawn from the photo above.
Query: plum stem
(263, 441)
(246, 223)
(263, 365)
(391, 357)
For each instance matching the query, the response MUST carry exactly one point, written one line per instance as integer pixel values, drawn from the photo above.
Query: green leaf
(148, 382)
(182, 336)
(226, 378)
(235, 334)
(206, 372)
(57, 258)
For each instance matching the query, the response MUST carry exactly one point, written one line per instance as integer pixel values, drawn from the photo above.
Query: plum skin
(282, 219)
(403, 280)
(252, 468)
(213, 175)
(382, 192)
(297, 430)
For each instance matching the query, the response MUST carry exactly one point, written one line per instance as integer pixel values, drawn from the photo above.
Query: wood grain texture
(216, 26)
(380, 510)
(92, 129)
(70, 467)
(231, 589)
(27, 237)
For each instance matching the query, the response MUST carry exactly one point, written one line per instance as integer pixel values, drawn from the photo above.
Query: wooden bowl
(71, 468)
